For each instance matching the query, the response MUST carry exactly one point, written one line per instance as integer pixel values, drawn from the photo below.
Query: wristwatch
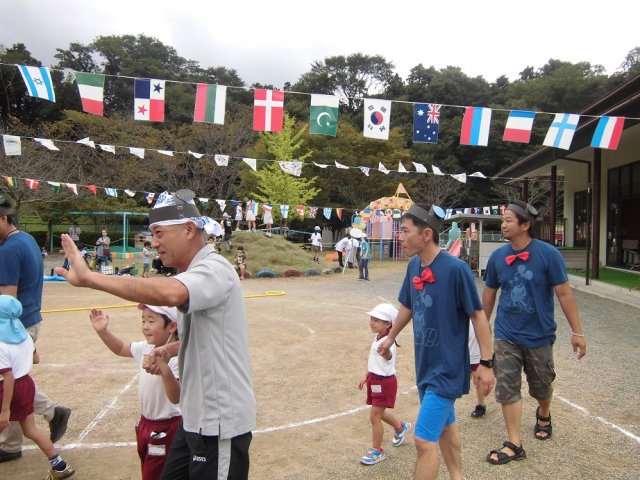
(487, 363)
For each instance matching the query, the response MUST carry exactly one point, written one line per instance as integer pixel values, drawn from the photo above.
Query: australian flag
(426, 122)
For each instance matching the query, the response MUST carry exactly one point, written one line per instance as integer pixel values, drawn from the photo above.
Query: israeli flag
(38, 82)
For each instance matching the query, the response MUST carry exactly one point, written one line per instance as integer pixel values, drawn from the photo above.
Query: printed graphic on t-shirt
(520, 298)
(423, 336)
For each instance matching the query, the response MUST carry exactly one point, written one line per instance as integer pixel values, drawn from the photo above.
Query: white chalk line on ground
(609, 424)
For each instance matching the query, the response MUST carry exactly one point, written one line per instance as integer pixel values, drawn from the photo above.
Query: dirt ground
(309, 350)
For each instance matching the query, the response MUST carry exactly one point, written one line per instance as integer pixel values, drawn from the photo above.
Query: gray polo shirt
(216, 396)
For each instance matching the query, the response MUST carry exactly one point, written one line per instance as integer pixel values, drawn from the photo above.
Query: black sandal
(537, 428)
(503, 457)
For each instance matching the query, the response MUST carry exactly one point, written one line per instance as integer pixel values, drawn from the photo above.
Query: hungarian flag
(148, 100)
(268, 110)
(210, 103)
(324, 115)
(91, 88)
(32, 184)
(608, 133)
(519, 125)
(475, 126)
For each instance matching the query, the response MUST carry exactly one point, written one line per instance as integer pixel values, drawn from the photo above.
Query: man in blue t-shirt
(529, 272)
(439, 292)
(21, 272)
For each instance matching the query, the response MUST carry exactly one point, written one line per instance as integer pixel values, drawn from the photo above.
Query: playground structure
(381, 222)
(480, 236)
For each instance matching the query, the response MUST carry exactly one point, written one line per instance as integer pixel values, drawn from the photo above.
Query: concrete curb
(605, 290)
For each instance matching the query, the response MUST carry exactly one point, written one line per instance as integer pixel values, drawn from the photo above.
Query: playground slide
(455, 247)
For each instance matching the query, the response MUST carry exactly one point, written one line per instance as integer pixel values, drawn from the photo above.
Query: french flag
(475, 126)
(608, 132)
(519, 125)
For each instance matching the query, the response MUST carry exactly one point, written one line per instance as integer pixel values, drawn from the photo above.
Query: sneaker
(58, 424)
(479, 411)
(8, 456)
(372, 457)
(60, 474)
(398, 438)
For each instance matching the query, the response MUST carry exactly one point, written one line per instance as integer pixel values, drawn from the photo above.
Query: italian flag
(91, 88)
(210, 103)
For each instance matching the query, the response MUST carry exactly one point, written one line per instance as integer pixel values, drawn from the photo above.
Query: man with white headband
(217, 399)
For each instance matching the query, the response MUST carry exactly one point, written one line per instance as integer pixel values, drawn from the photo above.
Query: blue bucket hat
(11, 329)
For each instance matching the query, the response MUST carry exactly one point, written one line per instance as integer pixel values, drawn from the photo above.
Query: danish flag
(268, 110)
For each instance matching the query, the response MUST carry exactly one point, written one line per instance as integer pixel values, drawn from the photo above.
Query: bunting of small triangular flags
(382, 168)
(204, 201)
(12, 145)
(92, 188)
(420, 168)
(436, 170)
(339, 165)
(320, 165)
(292, 168)
(11, 181)
(222, 204)
(55, 186)
(112, 192)
(138, 152)
(108, 148)
(130, 193)
(87, 141)
(45, 142)
(461, 177)
(73, 187)
(401, 168)
(222, 160)
(478, 174)
(168, 153)
(196, 155)
(251, 162)
(364, 170)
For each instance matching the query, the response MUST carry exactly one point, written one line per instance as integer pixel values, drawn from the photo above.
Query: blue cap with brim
(11, 328)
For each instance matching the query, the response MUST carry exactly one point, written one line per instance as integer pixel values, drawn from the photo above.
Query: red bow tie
(427, 276)
(524, 256)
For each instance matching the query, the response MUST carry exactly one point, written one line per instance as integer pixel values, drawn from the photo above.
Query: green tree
(276, 186)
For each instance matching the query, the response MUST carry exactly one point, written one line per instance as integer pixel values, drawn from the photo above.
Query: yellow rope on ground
(272, 293)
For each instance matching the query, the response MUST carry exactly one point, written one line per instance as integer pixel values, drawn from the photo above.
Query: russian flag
(608, 132)
(475, 126)
(519, 125)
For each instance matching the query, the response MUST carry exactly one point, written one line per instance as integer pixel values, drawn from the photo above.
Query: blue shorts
(436, 413)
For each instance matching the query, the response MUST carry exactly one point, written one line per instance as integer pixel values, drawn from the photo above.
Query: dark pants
(340, 259)
(363, 267)
(200, 457)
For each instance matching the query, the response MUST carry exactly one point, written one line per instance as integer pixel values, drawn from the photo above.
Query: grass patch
(613, 277)
(274, 253)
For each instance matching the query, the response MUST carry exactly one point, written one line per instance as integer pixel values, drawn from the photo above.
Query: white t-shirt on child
(378, 364)
(16, 357)
(154, 403)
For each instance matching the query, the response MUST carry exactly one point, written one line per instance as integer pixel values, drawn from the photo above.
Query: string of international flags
(210, 104)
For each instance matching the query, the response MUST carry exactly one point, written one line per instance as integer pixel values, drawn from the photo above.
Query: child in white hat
(159, 395)
(316, 244)
(382, 385)
(17, 390)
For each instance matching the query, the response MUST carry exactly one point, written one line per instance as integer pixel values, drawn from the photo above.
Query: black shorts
(194, 457)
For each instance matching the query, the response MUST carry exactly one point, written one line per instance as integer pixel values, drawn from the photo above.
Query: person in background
(267, 218)
(21, 277)
(227, 224)
(365, 256)
(238, 217)
(316, 244)
(74, 233)
(341, 247)
(103, 251)
(250, 215)
(240, 262)
(146, 258)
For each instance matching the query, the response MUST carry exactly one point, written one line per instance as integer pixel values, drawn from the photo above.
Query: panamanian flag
(149, 100)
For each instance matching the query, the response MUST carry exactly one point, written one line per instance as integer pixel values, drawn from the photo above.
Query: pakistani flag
(324, 115)
(91, 88)
(210, 103)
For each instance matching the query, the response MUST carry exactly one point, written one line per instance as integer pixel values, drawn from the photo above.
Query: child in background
(474, 359)
(382, 385)
(250, 215)
(17, 390)
(146, 259)
(241, 262)
(267, 218)
(316, 244)
(159, 395)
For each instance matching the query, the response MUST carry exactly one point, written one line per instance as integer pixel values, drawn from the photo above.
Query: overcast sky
(275, 42)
